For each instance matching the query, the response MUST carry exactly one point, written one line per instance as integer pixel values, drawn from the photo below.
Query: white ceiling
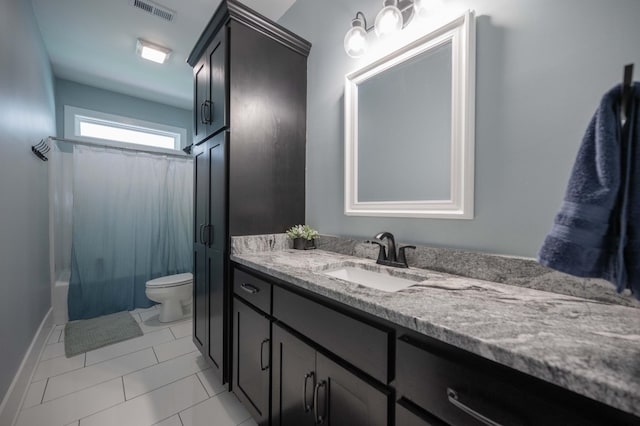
(94, 42)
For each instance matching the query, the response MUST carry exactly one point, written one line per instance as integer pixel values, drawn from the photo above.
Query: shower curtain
(132, 222)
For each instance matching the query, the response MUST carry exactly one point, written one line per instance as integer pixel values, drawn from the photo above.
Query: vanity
(312, 348)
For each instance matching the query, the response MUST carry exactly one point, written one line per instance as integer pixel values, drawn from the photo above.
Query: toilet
(174, 293)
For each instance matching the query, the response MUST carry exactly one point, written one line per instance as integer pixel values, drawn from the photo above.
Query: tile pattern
(156, 379)
(585, 346)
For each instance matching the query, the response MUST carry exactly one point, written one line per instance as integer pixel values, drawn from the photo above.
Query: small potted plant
(303, 237)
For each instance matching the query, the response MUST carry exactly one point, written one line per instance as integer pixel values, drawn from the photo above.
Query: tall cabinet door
(293, 380)
(216, 233)
(215, 236)
(200, 286)
(342, 398)
(251, 359)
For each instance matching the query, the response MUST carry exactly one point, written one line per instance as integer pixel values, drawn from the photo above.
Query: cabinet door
(216, 348)
(215, 110)
(293, 380)
(341, 398)
(215, 232)
(210, 94)
(200, 287)
(200, 98)
(251, 359)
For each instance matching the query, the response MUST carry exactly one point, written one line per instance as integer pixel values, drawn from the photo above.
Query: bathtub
(59, 297)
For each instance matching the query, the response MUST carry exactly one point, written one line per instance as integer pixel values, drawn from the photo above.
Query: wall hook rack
(627, 89)
(41, 149)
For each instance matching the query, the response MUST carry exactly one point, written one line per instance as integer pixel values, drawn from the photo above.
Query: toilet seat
(171, 281)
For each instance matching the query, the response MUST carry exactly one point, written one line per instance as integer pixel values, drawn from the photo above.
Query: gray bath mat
(86, 335)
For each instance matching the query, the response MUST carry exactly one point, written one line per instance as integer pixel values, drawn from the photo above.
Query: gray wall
(542, 67)
(26, 115)
(89, 97)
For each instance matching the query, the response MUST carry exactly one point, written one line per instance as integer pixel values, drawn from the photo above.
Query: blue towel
(596, 234)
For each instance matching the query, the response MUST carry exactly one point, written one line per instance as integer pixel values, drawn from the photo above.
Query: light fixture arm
(364, 21)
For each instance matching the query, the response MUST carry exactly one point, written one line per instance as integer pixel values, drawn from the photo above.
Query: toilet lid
(171, 280)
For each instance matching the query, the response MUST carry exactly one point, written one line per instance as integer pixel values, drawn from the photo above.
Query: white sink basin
(372, 279)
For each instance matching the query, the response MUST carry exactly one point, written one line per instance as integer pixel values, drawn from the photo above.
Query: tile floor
(155, 379)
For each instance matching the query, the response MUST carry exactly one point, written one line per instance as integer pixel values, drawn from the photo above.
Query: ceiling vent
(154, 9)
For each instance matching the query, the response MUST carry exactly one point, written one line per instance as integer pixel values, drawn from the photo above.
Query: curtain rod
(121, 148)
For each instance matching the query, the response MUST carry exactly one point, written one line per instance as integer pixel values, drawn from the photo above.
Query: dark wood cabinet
(464, 390)
(209, 248)
(249, 140)
(358, 342)
(407, 414)
(293, 380)
(309, 388)
(252, 359)
(325, 369)
(210, 90)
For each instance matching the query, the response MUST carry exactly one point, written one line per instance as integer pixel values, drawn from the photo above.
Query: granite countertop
(586, 346)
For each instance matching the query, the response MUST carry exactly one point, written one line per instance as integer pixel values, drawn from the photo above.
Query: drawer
(252, 289)
(363, 345)
(460, 392)
(406, 416)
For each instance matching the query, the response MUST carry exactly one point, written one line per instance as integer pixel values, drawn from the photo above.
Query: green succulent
(302, 231)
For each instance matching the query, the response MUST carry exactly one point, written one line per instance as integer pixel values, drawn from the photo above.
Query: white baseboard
(12, 401)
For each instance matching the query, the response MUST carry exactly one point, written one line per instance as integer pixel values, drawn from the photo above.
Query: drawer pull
(454, 398)
(316, 392)
(249, 288)
(306, 406)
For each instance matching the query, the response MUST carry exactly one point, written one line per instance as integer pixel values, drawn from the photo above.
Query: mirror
(409, 129)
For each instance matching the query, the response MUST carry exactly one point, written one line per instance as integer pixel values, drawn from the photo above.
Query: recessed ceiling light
(152, 52)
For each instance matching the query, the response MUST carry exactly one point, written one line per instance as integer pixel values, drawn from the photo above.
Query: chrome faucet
(387, 255)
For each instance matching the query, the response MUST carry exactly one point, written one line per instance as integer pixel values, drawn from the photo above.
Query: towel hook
(40, 149)
(626, 92)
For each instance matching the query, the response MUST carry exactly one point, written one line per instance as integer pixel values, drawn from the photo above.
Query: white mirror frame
(461, 33)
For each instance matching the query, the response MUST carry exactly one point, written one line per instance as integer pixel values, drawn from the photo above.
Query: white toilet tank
(171, 280)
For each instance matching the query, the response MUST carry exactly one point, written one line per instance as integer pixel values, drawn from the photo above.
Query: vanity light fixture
(394, 16)
(152, 52)
(355, 41)
(389, 19)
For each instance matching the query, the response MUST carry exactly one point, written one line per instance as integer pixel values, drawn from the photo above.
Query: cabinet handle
(200, 234)
(206, 232)
(319, 419)
(249, 288)
(209, 107)
(306, 406)
(454, 398)
(202, 119)
(206, 110)
(262, 366)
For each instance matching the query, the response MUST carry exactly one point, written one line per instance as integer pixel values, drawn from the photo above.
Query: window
(118, 131)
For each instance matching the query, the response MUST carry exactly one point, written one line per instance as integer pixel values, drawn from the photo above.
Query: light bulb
(388, 21)
(355, 41)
